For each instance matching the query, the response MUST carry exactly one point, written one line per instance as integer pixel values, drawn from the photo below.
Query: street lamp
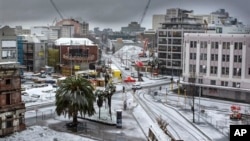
(185, 96)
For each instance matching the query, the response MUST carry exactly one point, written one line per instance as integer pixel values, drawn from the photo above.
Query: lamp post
(185, 96)
(204, 70)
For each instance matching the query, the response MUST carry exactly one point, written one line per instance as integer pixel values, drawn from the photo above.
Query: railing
(78, 58)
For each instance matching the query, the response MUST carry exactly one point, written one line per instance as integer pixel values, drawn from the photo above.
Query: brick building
(76, 54)
(12, 108)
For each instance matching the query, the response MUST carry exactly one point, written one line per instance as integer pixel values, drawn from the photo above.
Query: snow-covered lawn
(42, 133)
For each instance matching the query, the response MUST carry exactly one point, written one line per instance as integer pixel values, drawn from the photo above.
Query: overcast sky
(109, 13)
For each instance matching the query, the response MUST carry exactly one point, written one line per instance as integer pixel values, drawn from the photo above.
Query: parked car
(136, 86)
(126, 68)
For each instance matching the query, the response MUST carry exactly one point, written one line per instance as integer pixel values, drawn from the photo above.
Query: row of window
(215, 45)
(223, 83)
(214, 57)
(214, 70)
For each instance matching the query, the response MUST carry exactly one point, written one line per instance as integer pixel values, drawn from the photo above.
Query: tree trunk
(75, 119)
(99, 112)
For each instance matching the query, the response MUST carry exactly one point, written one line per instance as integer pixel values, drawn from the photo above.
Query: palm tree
(75, 95)
(99, 94)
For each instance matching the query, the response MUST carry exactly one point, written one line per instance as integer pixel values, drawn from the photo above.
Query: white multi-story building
(219, 64)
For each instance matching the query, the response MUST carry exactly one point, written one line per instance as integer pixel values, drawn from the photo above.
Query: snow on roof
(73, 41)
(31, 38)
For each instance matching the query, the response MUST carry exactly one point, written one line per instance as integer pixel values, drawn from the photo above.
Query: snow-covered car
(136, 86)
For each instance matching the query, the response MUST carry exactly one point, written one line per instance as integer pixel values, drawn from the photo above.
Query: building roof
(30, 38)
(74, 41)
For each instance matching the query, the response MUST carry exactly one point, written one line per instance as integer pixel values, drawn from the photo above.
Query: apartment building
(219, 64)
(170, 39)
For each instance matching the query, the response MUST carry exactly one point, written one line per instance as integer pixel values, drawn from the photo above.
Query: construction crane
(144, 12)
(57, 10)
(145, 47)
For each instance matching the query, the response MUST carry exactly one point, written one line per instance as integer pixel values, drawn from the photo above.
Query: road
(178, 127)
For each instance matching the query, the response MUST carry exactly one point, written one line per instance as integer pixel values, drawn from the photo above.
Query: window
(191, 44)
(200, 81)
(8, 99)
(237, 58)
(203, 56)
(236, 84)
(192, 68)
(225, 58)
(240, 45)
(203, 69)
(9, 121)
(214, 57)
(202, 44)
(8, 54)
(237, 71)
(225, 71)
(212, 44)
(224, 45)
(213, 70)
(205, 44)
(235, 45)
(7, 81)
(193, 56)
(224, 83)
(216, 45)
(195, 44)
(228, 45)
(21, 119)
(212, 82)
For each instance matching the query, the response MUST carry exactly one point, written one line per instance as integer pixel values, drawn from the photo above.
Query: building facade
(73, 28)
(170, 39)
(12, 109)
(133, 28)
(31, 52)
(8, 44)
(219, 64)
(157, 21)
(76, 54)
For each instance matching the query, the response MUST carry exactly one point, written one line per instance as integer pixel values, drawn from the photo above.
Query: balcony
(12, 107)
(78, 58)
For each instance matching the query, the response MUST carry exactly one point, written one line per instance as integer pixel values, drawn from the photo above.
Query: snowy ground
(42, 133)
